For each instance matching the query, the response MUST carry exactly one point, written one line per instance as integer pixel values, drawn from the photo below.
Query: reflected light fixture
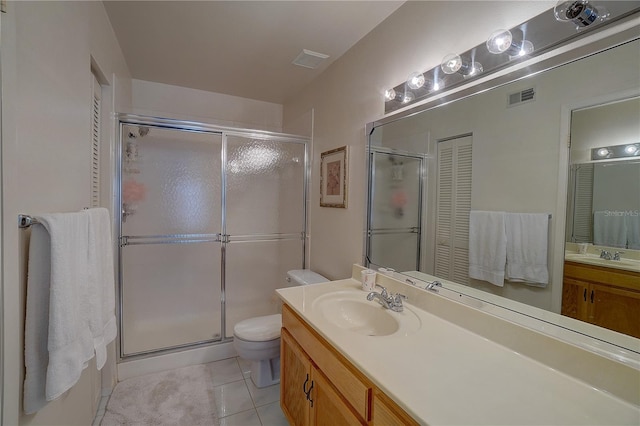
(435, 85)
(407, 97)
(389, 95)
(616, 151)
(580, 12)
(503, 41)
(415, 80)
(453, 63)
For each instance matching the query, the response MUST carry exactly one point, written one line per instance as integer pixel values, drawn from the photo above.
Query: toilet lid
(259, 329)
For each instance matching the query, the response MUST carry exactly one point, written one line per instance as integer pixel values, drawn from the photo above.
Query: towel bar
(25, 221)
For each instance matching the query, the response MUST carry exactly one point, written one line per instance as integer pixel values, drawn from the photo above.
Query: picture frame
(333, 178)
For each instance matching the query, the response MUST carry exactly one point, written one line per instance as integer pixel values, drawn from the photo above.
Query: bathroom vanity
(442, 360)
(602, 292)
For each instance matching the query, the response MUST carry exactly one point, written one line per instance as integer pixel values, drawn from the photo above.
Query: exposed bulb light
(580, 12)
(603, 152)
(415, 80)
(407, 97)
(503, 41)
(453, 63)
(632, 149)
(389, 95)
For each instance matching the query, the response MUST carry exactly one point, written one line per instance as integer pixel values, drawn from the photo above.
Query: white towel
(69, 344)
(487, 246)
(102, 319)
(633, 230)
(527, 242)
(609, 229)
(36, 356)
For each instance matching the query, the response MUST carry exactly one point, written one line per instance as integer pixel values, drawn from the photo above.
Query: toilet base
(265, 372)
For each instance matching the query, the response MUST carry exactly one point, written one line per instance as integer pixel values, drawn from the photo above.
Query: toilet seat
(259, 329)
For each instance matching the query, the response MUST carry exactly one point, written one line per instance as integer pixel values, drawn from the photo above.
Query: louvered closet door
(452, 211)
(583, 204)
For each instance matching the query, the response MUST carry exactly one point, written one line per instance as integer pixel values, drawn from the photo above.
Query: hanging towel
(58, 267)
(102, 319)
(36, 356)
(527, 242)
(609, 229)
(633, 230)
(487, 246)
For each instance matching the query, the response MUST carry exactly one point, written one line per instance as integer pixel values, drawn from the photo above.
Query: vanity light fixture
(389, 95)
(453, 63)
(504, 41)
(407, 97)
(616, 151)
(580, 12)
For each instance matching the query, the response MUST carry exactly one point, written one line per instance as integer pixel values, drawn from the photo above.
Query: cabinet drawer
(386, 412)
(351, 384)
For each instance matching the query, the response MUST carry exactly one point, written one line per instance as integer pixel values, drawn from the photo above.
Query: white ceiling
(241, 48)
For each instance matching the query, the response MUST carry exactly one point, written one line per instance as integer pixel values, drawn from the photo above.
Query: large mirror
(507, 150)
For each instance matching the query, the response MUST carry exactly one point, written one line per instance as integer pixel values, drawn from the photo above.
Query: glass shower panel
(396, 191)
(397, 251)
(170, 181)
(265, 186)
(171, 295)
(254, 270)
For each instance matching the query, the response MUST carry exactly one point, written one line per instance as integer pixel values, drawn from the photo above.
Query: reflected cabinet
(602, 296)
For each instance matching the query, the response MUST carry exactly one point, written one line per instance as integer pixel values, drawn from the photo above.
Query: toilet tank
(304, 277)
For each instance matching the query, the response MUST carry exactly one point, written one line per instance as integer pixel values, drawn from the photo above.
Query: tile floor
(238, 400)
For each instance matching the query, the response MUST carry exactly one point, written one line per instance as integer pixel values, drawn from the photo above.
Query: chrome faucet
(606, 255)
(617, 254)
(432, 286)
(388, 301)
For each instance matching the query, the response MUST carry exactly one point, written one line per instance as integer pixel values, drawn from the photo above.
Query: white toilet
(258, 339)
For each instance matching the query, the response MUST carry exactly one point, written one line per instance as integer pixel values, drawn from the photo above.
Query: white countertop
(445, 374)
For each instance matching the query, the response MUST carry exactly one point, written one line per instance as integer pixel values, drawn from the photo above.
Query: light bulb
(499, 41)
(415, 80)
(471, 70)
(525, 48)
(451, 63)
(389, 95)
(407, 97)
(632, 149)
(603, 152)
(580, 12)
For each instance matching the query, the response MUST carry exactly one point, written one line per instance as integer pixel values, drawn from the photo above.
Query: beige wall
(168, 101)
(47, 53)
(349, 94)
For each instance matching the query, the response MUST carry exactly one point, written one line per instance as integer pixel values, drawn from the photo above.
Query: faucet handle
(384, 290)
(397, 298)
(617, 254)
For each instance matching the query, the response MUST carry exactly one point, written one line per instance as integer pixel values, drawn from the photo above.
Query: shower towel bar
(25, 221)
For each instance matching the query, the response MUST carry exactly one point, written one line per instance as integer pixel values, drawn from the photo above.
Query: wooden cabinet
(606, 297)
(318, 386)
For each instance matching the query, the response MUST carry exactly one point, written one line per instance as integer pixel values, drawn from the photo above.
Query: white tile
(263, 396)
(245, 418)
(272, 415)
(232, 398)
(224, 371)
(245, 367)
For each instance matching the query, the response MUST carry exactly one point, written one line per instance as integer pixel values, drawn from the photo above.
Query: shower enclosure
(212, 218)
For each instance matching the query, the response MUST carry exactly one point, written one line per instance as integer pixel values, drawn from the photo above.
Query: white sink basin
(351, 311)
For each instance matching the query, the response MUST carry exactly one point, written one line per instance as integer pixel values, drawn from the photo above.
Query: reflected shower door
(265, 223)
(395, 212)
(170, 248)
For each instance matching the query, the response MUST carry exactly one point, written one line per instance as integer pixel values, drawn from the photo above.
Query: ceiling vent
(309, 59)
(526, 95)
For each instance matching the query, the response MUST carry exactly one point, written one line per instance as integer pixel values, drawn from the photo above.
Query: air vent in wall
(526, 95)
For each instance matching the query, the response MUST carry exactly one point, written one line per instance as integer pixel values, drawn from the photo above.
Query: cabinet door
(616, 309)
(575, 296)
(386, 412)
(295, 379)
(328, 408)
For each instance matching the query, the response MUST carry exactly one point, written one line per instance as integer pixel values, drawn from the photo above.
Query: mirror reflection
(500, 151)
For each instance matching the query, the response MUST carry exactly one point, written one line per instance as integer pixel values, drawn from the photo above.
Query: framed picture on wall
(333, 178)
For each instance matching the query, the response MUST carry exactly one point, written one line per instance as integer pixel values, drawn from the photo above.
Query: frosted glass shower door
(170, 247)
(265, 223)
(394, 224)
